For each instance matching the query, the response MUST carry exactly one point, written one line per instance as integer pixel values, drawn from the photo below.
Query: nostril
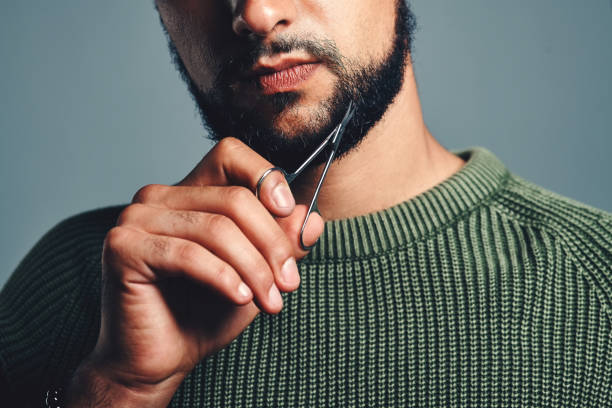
(261, 17)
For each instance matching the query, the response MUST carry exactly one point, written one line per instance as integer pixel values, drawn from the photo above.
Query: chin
(299, 119)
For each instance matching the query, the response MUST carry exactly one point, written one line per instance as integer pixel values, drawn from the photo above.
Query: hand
(188, 268)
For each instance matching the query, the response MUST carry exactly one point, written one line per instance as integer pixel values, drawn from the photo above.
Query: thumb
(292, 226)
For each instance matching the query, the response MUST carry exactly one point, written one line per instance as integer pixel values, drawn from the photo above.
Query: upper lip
(264, 69)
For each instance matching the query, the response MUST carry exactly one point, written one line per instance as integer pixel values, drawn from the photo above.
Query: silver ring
(261, 179)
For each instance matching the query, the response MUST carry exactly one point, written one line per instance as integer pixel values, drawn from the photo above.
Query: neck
(397, 160)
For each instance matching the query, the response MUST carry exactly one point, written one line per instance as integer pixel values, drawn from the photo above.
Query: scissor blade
(331, 139)
(350, 112)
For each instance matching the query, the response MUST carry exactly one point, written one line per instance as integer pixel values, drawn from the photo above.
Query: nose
(261, 17)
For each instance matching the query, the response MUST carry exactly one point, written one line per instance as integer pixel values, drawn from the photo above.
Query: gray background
(91, 108)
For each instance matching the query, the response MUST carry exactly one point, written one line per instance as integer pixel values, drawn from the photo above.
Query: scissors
(333, 141)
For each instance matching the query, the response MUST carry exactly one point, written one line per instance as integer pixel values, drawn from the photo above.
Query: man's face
(279, 74)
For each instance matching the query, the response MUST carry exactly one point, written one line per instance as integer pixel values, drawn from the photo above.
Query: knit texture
(484, 291)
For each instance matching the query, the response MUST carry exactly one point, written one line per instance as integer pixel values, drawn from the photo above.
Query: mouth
(283, 76)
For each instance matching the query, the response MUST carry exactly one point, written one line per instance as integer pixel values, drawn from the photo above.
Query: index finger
(231, 162)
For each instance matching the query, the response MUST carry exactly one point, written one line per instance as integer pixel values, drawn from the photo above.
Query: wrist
(94, 386)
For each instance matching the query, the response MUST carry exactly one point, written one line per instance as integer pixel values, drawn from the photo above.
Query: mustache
(251, 51)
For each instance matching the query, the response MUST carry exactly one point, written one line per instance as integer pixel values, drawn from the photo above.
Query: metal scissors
(333, 141)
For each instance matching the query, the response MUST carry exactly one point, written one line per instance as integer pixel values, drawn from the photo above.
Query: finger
(248, 217)
(220, 235)
(231, 162)
(138, 257)
(249, 221)
(239, 204)
(292, 226)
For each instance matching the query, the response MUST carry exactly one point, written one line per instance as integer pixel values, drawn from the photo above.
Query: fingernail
(289, 272)
(275, 296)
(244, 290)
(282, 196)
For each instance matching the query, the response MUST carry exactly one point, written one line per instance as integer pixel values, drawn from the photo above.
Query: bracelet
(54, 398)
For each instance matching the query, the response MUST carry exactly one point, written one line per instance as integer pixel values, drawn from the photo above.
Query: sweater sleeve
(585, 235)
(585, 231)
(50, 306)
(591, 248)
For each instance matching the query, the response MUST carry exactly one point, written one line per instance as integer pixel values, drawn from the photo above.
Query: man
(436, 279)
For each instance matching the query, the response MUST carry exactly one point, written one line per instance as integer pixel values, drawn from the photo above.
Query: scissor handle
(332, 140)
(313, 203)
(263, 177)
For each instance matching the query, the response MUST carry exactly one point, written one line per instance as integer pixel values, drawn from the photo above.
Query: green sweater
(485, 291)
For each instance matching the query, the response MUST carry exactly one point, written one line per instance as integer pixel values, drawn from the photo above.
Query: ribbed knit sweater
(484, 291)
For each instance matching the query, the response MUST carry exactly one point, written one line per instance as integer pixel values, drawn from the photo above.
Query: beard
(371, 87)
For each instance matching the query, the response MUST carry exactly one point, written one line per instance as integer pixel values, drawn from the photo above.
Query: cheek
(196, 34)
(364, 29)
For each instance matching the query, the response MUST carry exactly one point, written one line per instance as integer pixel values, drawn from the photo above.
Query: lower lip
(287, 79)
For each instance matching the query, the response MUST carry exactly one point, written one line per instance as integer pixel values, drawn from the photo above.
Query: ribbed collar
(371, 234)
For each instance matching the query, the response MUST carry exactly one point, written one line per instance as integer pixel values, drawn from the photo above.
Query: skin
(171, 292)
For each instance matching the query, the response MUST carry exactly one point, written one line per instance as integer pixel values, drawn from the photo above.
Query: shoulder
(50, 305)
(583, 231)
(565, 218)
(69, 244)
(80, 233)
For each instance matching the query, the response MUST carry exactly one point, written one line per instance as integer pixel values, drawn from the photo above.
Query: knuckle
(116, 238)
(148, 193)
(189, 253)
(129, 214)
(238, 195)
(228, 145)
(115, 245)
(217, 223)
(223, 274)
